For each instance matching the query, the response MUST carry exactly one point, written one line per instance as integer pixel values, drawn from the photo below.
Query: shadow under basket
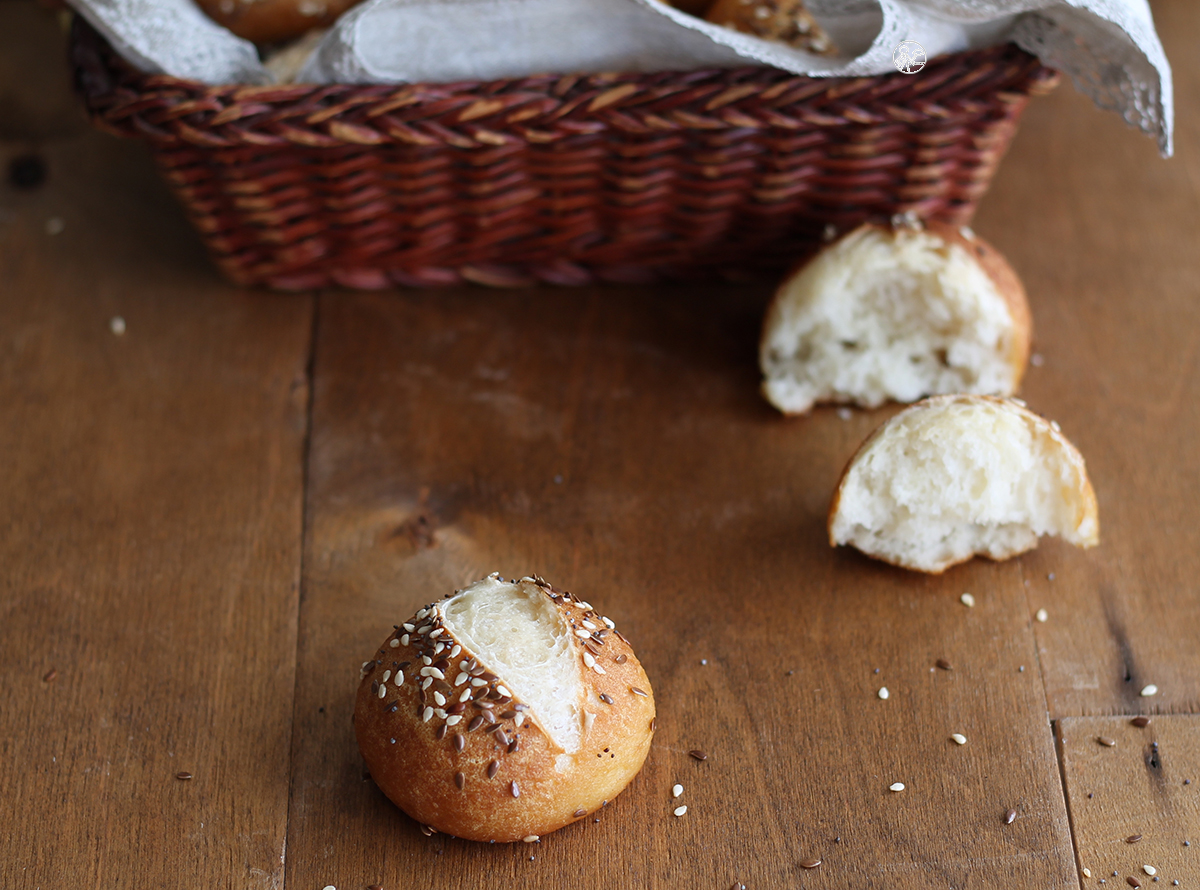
(630, 178)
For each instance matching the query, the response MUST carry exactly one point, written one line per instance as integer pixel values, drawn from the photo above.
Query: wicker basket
(560, 179)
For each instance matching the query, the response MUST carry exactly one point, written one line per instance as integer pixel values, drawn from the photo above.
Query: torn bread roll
(957, 476)
(785, 21)
(504, 712)
(896, 313)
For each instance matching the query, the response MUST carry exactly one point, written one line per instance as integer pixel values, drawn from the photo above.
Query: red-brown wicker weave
(567, 180)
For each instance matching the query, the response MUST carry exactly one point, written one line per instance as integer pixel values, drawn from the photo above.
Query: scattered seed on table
(49, 676)
(944, 665)
(55, 225)
(532, 839)
(968, 600)
(1133, 882)
(1133, 838)
(959, 738)
(1042, 615)
(1150, 870)
(116, 324)
(676, 790)
(883, 692)
(809, 863)
(1010, 817)
(1149, 690)
(896, 786)
(679, 811)
(1105, 741)
(1140, 722)
(1087, 872)
(375, 887)
(697, 755)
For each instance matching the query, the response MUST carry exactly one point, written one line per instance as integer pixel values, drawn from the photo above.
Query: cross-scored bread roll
(504, 712)
(959, 475)
(786, 21)
(896, 313)
(274, 21)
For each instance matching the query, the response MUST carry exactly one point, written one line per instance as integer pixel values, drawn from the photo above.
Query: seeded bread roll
(786, 21)
(274, 21)
(504, 712)
(896, 313)
(959, 475)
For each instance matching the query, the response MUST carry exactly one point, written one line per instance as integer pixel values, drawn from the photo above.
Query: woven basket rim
(537, 108)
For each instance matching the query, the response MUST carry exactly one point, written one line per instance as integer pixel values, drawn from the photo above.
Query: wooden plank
(1103, 232)
(1140, 784)
(151, 505)
(614, 441)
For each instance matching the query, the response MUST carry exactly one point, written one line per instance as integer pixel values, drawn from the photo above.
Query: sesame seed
(883, 693)
(679, 811)
(439, 648)
(404, 640)
(421, 631)
(436, 632)
(583, 634)
(440, 699)
(399, 678)
(636, 691)
(454, 720)
(462, 677)
(896, 786)
(1010, 817)
(598, 669)
(532, 839)
(454, 652)
(676, 790)
(426, 683)
(426, 714)
(183, 776)
(426, 660)
(588, 659)
(959, 738)
(387, 675)
(1087, 872)
(477, 682)
(583, 604)
(608, 622)
(519, 719)
(809, 863)
(944, 665)
(695, 754)
(1042, 615)
(588, 624)
(1106, 741)
(409, 627)
(382, 690)
(394, 643)
(492, 768)
(421, 614)
(967, 600)
(966, 232)
(1150, 870)
(466, 695)
(512, 787)
(440, 712)
(1150, 690)
(1133, 838)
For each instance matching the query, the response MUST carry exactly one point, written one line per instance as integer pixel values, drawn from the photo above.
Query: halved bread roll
(504, 712)
(787, 21)
(896, 313)
(955, 476)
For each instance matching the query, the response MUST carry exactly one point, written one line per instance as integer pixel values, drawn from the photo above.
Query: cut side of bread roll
(504, 712)
(896, 314)
(785, 21)
(956, 476)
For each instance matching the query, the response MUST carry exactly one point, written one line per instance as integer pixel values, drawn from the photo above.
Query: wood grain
(614, 441)
(1147, 784)
(150, 503)
(1102, 231)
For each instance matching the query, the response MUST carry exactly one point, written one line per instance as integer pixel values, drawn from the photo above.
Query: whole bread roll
(896, 313)
(787, 21)
(956, 476)
(274, 21)
(504, 712)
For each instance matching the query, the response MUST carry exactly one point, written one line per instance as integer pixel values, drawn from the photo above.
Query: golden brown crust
(1088, 506)
(786, 21)
(274, 21)
(468, 791)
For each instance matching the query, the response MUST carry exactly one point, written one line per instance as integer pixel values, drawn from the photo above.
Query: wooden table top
(211, 519)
